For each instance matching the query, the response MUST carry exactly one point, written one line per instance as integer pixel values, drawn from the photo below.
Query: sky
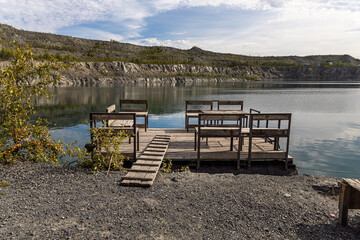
(248, 27)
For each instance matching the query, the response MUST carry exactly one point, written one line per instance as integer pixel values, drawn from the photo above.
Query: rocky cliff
(99, 73)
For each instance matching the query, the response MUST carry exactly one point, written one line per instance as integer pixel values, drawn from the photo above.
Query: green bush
(152, 50)
(105, 150)
(6, 54)
(21, 138)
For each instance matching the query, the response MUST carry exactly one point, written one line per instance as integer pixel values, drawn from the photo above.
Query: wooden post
(198, 143)
(239, 145)
(344, 200)
(136, 137)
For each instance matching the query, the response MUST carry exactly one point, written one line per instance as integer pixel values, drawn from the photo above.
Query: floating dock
(181, 147)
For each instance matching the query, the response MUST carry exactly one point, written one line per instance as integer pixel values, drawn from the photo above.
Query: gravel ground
(50, 202)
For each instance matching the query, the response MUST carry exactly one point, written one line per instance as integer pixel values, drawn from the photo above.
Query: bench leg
(198, 153)
(138, 141)
(195, 140)
(135, 136)
(344, 200)
(238, 153)
(146, 123)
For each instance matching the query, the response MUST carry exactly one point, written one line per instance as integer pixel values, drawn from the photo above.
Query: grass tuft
(4, 183)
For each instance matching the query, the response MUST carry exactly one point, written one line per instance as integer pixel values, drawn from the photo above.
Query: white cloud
(296, 28)
(90, 33)
(49, 16)
(183, 44)
(166, 5)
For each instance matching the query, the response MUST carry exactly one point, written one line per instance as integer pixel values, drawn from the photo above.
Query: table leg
(344, 199)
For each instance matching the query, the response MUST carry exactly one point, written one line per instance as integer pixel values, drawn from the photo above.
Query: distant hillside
(67, 48)
(108, 62)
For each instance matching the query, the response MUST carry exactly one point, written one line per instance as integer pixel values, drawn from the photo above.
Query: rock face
(103, 73)
(98, 73)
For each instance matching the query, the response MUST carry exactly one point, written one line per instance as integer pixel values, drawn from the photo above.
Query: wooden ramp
(143, 172)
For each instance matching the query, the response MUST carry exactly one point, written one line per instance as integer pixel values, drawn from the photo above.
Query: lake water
(325, 132)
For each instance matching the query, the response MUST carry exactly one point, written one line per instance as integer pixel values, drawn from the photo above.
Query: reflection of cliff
(72, 105)
(65, 116)
(79, 101)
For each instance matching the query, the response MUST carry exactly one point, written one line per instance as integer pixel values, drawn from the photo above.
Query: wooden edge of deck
(136, 183)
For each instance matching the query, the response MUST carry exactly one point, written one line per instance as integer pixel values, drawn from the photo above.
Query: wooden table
(224, 112)
(139, 114)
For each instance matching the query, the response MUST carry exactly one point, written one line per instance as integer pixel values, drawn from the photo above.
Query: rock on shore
(50, 202)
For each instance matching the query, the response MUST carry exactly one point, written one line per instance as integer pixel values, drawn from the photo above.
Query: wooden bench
(112, 122)
(221, 103)
(349, 198)
(218, 125)
(269, 126)
(140, 109)
(192, 110)
(118, 123)
(234, 105)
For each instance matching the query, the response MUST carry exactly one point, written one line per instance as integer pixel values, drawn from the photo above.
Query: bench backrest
(216, 119)
(196, 106)
(136, 105)
(220, 124)
(272, 125)
(237, 103)
(105, 120)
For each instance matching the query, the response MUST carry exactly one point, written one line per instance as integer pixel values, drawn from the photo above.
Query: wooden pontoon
(181, 147)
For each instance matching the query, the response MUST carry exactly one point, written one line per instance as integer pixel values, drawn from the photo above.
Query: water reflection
(328, 141)
(326, 119)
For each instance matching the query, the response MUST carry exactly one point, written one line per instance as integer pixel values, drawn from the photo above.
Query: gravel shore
(51, 202)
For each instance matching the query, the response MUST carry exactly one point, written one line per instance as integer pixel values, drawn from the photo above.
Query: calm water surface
(325, 130)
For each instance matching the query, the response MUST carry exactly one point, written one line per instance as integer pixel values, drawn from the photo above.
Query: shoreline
(45, 202)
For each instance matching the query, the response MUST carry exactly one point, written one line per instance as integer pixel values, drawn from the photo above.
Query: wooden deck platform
(181, 147)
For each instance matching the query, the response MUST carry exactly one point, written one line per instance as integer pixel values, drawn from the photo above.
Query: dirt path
(49, 202)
